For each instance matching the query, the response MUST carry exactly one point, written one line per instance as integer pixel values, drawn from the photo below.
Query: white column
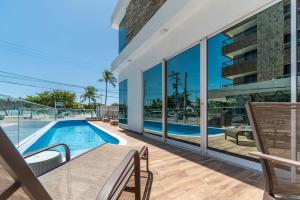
(135, 100)
(203, 96)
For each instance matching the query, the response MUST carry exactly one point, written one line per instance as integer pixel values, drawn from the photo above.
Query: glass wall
(298, 50)
(153, 100)
(122, 35)
(123, 102)
(20, 119)
(247, 62)
(183, 96)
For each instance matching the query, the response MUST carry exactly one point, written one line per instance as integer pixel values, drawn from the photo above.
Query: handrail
(284, 161)
(120, 177)
(66, 147)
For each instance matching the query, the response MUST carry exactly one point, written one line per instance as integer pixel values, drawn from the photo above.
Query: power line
(35, 86)
(34, 79)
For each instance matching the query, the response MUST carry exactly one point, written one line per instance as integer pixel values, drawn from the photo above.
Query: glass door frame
(203, 144)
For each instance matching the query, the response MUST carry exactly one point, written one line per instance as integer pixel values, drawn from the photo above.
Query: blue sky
(68, 41)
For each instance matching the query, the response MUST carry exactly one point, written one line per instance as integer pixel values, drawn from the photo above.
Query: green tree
(48, 98)
(90, 95)
(108, 77)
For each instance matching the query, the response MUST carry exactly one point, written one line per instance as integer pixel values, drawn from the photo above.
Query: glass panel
(183, 96)
(123, 102)
(247, 62)
(122, 35)
(153, 100)
(298, 49)
(20, 119)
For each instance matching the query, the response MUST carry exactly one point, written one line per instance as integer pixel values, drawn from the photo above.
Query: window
(183, 96)
(123, 102)
(153, 100)
(261, 80)
(122, 35)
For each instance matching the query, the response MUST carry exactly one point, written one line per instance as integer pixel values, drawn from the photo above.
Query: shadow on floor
(146, 186)
(247, 176)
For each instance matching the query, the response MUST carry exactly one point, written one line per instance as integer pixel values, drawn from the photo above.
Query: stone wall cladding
(138, 13)
(270, 43)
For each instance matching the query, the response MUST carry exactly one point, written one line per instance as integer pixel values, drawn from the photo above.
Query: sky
(68, 41)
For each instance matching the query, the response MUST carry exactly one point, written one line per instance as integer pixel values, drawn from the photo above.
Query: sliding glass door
(183, 96)
(153, 100)
(246, 62)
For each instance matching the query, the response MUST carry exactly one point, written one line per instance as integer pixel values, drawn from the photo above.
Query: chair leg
(137, 177)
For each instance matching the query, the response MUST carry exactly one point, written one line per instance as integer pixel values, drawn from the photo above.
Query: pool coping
(122, 141)
(30, 140)
(183, 135)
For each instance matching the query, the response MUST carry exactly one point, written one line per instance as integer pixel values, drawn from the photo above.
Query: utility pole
(176, 77)
(185, 97)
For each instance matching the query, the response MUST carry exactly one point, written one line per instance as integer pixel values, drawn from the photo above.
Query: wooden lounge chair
(238, 131)
(114, 122)
(101, 173)
(276, 129)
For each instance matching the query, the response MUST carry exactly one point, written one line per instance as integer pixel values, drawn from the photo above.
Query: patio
(182, 174)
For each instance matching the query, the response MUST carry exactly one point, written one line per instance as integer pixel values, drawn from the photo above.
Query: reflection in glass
(183, 96)
(123, 102)
(122, 35)
(153, 100)
(20, 119)
(247, 62)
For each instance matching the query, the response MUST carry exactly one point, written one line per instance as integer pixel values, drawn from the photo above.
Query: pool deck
(182, 174)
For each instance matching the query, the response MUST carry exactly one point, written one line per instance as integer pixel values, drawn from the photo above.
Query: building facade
(187, 68)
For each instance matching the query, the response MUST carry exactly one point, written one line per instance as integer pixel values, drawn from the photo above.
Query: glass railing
(20, 118)
(240, 60)
(241, 36)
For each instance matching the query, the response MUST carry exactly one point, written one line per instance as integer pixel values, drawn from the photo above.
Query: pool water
(180, 129)
(79, 135)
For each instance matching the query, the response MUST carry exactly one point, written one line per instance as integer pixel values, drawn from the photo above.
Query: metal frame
(164, 98)
(203, 146)
(203, 92)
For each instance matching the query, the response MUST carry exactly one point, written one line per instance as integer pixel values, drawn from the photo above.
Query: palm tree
(90, 94)
(108, 77)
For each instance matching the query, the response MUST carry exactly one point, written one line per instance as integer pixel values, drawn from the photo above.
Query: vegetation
(90, 95)
(48, 98)
(108, 77)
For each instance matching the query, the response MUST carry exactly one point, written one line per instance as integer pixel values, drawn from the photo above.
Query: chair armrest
(117, 182)
(67, 151)
(284, 161)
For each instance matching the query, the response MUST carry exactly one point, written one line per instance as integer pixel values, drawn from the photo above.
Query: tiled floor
(182, 174)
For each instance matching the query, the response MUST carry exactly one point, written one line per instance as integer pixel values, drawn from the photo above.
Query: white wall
(135, 98)
(193, 22)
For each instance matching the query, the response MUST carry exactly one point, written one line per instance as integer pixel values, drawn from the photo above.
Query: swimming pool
(81, 136)
(180, 129)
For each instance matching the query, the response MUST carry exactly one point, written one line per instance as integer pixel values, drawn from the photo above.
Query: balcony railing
(240, 60)
(232, 40)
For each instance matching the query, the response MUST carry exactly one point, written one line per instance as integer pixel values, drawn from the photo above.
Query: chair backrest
(276, 129)
(12, 163)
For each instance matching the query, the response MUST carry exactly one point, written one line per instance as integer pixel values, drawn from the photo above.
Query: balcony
(236, 46)
(239, 67)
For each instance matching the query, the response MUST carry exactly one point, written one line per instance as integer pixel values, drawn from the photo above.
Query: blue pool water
(79, 135)
(179, 129)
